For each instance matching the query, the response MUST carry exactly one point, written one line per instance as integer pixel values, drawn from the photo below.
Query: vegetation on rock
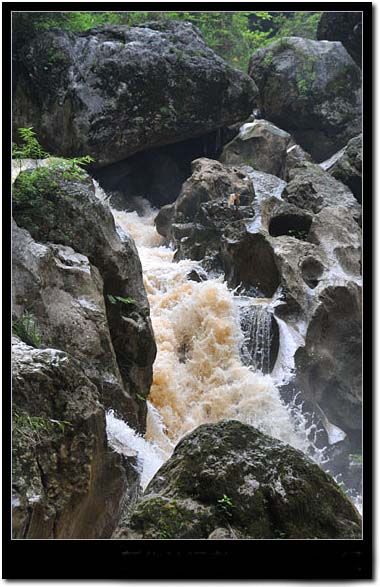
(233, 35)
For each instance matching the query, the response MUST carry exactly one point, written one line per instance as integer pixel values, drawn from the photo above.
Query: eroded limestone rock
(66, 481)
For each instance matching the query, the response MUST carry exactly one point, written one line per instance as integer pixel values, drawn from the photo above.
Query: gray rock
(295, 156)
(64, 293)
(346, 166)
(329, 366)
(230, 475)
(312, 89)
(311, 188)
(67, 212)
(202, 210)
(211, 180)
(261, 145)
(345, 27)
(66, 482)
(148, 82)
(265, 185)
(163, 220)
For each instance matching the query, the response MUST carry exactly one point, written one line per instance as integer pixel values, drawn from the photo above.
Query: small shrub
(26, 329)
(225, 505)
(30, 148)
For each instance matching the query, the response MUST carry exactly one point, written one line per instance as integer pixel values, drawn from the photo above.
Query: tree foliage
(233, 35)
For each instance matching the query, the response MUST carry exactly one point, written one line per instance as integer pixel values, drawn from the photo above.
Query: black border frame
(182, 559)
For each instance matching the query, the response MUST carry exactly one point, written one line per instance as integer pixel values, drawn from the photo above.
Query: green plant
(115, 299)
(26, 329)
(356, 458)
(306, 76)
(225, 505)
(29, 148)
(34, 427)
(233, 35)
(279, 534)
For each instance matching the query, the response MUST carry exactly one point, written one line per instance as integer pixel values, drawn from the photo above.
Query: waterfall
(256, 325)
(213, 355)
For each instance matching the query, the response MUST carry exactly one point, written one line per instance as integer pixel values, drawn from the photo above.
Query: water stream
(212, 362)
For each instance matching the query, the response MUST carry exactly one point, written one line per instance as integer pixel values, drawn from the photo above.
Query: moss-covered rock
(230, 475)
(312, 89)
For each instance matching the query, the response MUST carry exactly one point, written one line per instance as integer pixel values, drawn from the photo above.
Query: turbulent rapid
(199, 376)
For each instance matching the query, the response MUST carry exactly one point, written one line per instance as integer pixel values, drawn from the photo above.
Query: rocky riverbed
(187, 312)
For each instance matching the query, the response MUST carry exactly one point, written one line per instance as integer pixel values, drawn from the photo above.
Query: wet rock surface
(67, 212)
(76, 89)
(310, 188)
(260, 145)
(295, 241)
(346, 166)
(311, 89)
(228, 480)
(66, 482)
(323, 369)
(64, 293)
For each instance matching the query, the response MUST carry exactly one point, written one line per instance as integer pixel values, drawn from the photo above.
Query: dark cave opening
(157, 174)
(290, 225)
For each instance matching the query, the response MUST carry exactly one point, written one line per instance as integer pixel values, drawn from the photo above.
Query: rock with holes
(346, 166)
(62, 209)
(64, 294)
(113, 91)
(66, 482)
(345, 27)
(228, 480)
(311, 188)
(261, 145)
(311, 89)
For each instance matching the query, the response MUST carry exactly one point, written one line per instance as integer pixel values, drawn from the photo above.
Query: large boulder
(197, 219)
(66, 483)
(210, 181)
(58, 207)
(346, 166)
(261, 145)
(312, 89)
(345, 27)
(63, 293)
(228, 480)
(329, 366)
(311, 188)
(147, 82)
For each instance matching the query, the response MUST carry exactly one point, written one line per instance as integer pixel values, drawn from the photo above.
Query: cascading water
(256, 326)
(199, 375)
